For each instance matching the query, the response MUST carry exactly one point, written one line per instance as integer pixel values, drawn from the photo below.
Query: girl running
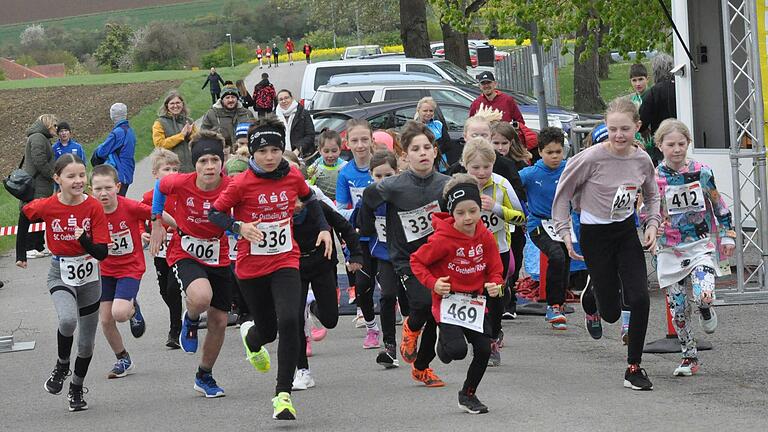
(262, 200)
(602, 183)
(78, 238)
(692, 210)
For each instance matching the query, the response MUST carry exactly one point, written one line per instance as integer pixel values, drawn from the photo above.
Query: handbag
(20, 184)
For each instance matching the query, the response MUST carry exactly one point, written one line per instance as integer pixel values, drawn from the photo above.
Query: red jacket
(289, 46)
(502, 102)
(470, 262)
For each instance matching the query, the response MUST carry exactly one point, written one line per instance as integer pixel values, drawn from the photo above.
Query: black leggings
(559, 267)
(170, 292)
(238, 302)
(391, 291)
(496, 304)
(365, 283)
(420, 318)
(326, 307)
(275, 304)
(453, 343)
(616, 263)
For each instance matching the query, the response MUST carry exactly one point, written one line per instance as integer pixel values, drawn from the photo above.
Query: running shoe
(283, 407)
(509, 315)
(351, 295)
(138, 325)
(594, 325)
(302, 380)
(372, 339)
(55, 383)
(173, 339)
(688, 367)
(359, 319)
(318, 333)
(471, 404)
(708, 319)
(636, 378)
(122, 368)
(625, 334)
(388, 357)
(188, 335)
(75, 397)
(427, 376)
(587, 298)
(555, 317)
(259, 359)
(409, 343)
(206, 385)
(495, 359)
(309, 346)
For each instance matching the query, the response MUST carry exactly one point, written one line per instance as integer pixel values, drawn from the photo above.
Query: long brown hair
(517, 151)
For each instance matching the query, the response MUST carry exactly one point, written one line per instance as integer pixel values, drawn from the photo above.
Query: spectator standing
(173, 129)
(492, 98)
(307, 52)
(38, 162)
(225, 115)
(215, 81)
(275, 54)
(119, 148)
(289, 47)
(425, 113)
(659, 102)
(299, 128)
(65, 143)
(264, 96)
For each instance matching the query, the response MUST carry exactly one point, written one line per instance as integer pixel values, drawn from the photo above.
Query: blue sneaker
(207, 386)
(138, 325)
(188, 335)
(554, 315)
(123, 367)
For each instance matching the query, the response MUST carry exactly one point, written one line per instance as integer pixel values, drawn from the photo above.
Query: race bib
(232, 247)
(463, 310)
(207, 251)
(684, 198)
(164, 246)
(417, 223)
(381, 228)
(277, 238)
(79, 270)
(492, 222)
(122, 243)
(549, 228)
(357, 194)
(623, 202)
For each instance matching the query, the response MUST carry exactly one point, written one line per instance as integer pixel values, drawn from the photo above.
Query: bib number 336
(277, 238)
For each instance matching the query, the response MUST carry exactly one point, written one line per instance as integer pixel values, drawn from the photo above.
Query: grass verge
(616, 85)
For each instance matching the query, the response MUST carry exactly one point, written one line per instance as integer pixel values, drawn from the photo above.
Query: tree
(413, 28)
(114, 46)
(455, 20)
(161, 48)
(33, 37)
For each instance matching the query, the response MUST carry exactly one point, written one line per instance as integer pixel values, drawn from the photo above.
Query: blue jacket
(540, 183)
(73, 147)
(118, 150)
(377, 246)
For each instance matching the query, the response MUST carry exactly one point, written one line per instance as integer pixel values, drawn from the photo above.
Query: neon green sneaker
(283, 408)
(259, 359)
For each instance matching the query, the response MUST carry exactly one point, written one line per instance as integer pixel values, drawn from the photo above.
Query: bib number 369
(204, 250)
(463, 310)
(78, 271)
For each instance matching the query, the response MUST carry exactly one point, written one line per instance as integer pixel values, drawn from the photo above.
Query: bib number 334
(463, 310)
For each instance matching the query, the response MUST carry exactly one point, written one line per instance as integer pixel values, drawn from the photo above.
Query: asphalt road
(549, 380)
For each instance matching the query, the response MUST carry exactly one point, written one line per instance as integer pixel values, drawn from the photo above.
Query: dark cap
(63, 125)
(485, 76)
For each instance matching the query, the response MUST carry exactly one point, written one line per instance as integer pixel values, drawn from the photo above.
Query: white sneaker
(359, 319)
(302, 380)
(708, 324)
(32, 254)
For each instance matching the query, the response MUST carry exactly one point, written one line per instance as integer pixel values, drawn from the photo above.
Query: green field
(616, 85)
(140, 16)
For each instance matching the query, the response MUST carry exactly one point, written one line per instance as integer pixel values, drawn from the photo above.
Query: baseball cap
(485, 76)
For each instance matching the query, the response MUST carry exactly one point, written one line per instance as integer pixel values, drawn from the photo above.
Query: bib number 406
(202, 251)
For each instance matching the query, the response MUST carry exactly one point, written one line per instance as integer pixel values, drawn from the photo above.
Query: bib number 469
(462, 313)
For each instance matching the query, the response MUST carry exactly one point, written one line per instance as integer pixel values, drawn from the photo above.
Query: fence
(515, 72)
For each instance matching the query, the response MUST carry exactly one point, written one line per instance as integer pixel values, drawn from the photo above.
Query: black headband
(207, 146)
(265, 137)
(462, 192)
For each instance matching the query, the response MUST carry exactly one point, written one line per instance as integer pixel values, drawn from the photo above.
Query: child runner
(500, 207)
(238, 161)
(324, 172)
(77, 237)
(687, 245)
(540, 181)
(411, 197)
(198, 252)
(165, 162)
(316, 269)
(602, 183)
(352, 180)
(122, 270)
(383, 165)
(267, 268)
(460, 264)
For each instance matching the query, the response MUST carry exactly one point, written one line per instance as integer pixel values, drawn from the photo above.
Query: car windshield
(361, 51)
(326, 99)
(456, 73)
(335, 122)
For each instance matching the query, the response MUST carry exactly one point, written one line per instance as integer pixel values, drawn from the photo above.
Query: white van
(360, 51)
(317, 74)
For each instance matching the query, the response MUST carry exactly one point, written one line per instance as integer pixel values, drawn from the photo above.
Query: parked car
(317, 74)
(498, 55)
(369, 77)
(360, 51)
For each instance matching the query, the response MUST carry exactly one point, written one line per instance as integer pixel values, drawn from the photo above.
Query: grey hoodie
(225, 121)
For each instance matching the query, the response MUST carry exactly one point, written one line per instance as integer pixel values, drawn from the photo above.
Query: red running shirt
(271, 201)
(126, 254)
(61, 221)
(191, 214)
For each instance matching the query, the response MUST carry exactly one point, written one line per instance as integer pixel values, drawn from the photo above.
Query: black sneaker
(471, 404)
(75, 396)
(594, 325)
(388, 357)
(173, 339)
(587, 298)
(636, 378)
(138, 325)
(55, 383)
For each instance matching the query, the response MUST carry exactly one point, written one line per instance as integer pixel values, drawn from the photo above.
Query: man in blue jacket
(119, 147)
